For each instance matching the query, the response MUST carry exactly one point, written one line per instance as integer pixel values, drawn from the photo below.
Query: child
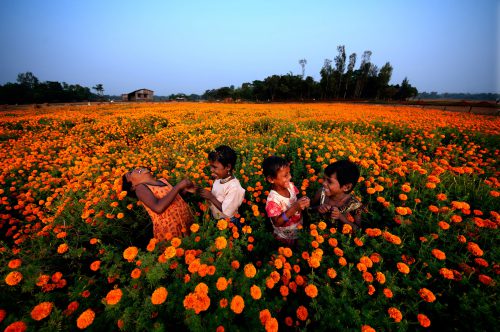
(335, 198)
(282, 205)
(227, 194)
(170, 214)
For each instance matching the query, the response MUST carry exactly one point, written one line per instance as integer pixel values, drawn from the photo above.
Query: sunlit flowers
(159, 295)
(114, 296)
(426, 295)
(13, 278)
(130, 253)
(85, 319)
(237, 304)
(311, 290)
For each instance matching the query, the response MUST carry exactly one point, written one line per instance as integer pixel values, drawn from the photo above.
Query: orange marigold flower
(159, 295)
(375, 258)
(433, 209)
(13, 278)
(194, 228)
(255, 292)
(42, 310)
(176, 242)
(456, 218)
(16, 327)
(222, 224)
(136, 273)
(62, 248)
(93, 240)
(284, 290)
(302, 313)
(3, 313)
(406, 188)
(395, 314)
(85, 319)
(367, 328)
(438, 254)
(368, 277)
(346, 229)
(403, 268)
(427, 295)
(342, 261)
(443, 225)
(446, 273)
(371, 290)
(114, 296)
(331, 273)
(223, 303)
(237, 304)
(271, 325)
(423, 320)
(264, 316)
(15, 263)
(170, 252)
(95, 265)
(220, 242)
(488, 281)
(221, 284)
(151, 245)
(388, 293)
(250, 270)
(311, 291)
(130, 253)
(474, 249)
(481, 262)
(380, 278)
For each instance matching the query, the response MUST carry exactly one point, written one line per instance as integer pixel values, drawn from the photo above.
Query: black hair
(223, 154)
(347, 172)
(271, 165)
(127, 186)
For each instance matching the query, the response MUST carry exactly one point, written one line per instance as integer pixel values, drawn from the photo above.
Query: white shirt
(230, 194)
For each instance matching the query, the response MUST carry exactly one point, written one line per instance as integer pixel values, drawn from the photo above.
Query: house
(138, 95)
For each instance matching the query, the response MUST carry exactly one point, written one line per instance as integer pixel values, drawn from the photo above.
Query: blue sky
(191, 46)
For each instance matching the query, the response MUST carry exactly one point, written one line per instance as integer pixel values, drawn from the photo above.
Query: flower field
(76, 254)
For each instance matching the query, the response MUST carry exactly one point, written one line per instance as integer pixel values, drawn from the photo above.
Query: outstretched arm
(160, 205)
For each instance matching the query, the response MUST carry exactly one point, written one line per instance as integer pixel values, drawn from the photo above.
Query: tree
(384, 76)
(326, 76)
(303, 63)
(27, 79)
(406, 90)
(350, 70)
(339, 67)
(99, 89)
(364, 70)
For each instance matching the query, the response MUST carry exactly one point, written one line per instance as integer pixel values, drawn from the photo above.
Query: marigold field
(75, 253)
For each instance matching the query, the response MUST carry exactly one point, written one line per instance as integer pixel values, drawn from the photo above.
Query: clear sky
(191, 46)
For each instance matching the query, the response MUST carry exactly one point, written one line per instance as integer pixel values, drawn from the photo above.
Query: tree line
(339, 80)
(28, 89)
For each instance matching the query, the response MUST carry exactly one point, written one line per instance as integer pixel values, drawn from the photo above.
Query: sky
(183, 46)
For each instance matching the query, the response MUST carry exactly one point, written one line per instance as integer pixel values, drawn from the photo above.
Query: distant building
(138, 95)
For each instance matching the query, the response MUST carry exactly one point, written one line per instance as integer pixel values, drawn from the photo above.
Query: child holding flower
(282, 205)
(335, 198)
(227, 193)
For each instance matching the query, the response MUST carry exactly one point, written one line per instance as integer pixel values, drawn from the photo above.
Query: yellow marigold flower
(255, 292)
(250, 270)
(237, 304)
(13, 278)
(42, 310)
(85, 319)
(220, 243)
(159, 295)
(114, 296)
(130, 253)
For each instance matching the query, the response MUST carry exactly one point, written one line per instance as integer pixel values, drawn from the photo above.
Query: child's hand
(336, 213)
(324, 208)
(303, 203)
(206, 194)
(187, 185)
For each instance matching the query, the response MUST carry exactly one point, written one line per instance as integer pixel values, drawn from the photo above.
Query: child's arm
(323, 208)
(206, 194)
(355, 224)
(300, 205)
(160, 205)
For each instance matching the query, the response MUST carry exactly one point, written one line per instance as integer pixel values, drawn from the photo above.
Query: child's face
(282, 179)
(219, 171)
(332, 186)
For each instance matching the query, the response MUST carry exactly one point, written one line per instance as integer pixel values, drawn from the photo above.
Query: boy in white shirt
(227, 194)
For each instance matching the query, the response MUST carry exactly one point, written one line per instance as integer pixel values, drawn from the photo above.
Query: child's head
(345, 172)
(222, 161)
(133, 178)
(276, 170)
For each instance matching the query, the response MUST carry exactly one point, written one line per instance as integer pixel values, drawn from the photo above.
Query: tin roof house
(138, 95)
